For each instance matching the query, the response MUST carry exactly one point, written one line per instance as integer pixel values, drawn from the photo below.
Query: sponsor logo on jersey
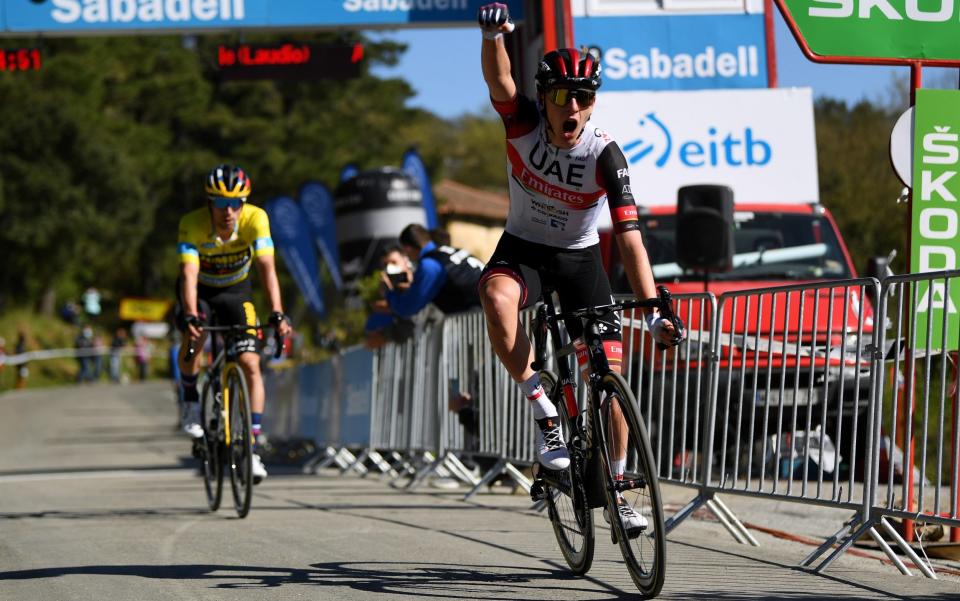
(536, 185)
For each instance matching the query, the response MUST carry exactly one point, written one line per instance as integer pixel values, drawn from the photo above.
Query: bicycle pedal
(545, 471)
(197, 448)
(537, 491)
(633, 533)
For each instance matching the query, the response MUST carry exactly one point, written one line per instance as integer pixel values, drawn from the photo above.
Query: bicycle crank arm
(622, 485)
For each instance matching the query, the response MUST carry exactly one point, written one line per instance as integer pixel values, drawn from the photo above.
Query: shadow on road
(105, 514)
(422, 579)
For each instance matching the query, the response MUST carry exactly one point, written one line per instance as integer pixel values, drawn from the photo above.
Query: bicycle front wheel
(642, 540)
(211, 420)
(241, 443)
(570, 515)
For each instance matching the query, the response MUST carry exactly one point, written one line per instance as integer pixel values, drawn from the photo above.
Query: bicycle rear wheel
(645, 550)
(211, 420)
(241, 443)
(570, 515)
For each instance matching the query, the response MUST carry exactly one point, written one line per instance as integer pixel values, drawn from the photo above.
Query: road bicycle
(225, 418)
(590, 481)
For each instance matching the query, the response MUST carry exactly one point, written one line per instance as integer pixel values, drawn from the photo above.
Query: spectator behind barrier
(23, 372)
(445, 276)
(383, 325)
(85, 362)
(117, 345)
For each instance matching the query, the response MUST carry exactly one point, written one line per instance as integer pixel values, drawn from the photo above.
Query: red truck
(783, 353)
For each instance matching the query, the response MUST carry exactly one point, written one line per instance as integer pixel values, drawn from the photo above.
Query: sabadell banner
(688, 52)
(106, 16)
(759, 142)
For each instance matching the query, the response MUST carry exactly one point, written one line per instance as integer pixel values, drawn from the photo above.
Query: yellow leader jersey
(224, 262)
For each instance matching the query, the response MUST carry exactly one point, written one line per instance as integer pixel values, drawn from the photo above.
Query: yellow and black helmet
(227, 181)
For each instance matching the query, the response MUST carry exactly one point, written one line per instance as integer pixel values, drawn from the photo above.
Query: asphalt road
(99, 500)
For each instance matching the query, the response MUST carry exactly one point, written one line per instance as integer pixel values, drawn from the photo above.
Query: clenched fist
(494, 20)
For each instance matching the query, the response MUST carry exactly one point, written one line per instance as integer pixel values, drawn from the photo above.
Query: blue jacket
(427, 282)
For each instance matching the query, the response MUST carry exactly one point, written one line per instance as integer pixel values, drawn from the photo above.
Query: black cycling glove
(492, 17)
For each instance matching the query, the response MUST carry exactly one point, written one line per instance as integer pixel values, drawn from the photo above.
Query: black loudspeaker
(705, 228)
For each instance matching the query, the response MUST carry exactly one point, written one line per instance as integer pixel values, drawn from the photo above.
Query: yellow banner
(144, 309)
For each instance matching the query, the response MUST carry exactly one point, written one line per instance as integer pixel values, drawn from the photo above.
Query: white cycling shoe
(259, 472)
(633, 522)
(190, 420)
(551, 449)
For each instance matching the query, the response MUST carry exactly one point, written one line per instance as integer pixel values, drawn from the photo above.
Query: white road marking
(94, 474)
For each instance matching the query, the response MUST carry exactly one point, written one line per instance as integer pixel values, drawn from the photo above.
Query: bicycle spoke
(634, 507)
(210, 447)
(241, 451)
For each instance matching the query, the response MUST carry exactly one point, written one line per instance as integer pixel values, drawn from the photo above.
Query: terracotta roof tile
(465, 201)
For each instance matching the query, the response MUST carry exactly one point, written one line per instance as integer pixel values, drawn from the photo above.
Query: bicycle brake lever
(666, 312)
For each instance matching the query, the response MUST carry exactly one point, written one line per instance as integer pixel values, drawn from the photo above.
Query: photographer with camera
(383, 325)
(445, 276)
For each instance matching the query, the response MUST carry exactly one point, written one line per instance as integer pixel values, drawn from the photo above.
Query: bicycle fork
(225, 406)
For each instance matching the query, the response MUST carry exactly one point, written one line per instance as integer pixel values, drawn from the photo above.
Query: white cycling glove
(492, 19)
(657, 324)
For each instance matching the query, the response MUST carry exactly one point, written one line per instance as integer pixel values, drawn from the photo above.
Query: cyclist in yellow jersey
(217, 245)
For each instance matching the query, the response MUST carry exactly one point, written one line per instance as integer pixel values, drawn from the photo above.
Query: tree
(116, 134)
(857, 181)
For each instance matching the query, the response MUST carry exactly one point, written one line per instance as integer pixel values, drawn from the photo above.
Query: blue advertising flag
(291, 235)
(317, 204)
(413, 165)
(349, 170)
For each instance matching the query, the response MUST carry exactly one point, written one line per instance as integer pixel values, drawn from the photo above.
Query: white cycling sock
(619, 465)
(541, 405)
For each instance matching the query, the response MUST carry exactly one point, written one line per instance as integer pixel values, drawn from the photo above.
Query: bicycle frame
(222, 367)
(548, 320)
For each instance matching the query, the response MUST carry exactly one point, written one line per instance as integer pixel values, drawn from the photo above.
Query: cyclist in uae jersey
(561, 172)
(217, 245)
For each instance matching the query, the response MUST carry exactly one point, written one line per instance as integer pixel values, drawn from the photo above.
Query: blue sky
(443, 65)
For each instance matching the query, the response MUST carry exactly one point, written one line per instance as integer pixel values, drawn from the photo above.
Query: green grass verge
(43, 332)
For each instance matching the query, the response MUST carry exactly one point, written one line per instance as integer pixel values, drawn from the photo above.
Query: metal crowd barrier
(918, 404)
(794, 393)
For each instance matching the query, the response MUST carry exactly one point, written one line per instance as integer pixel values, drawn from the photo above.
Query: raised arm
(494, 20)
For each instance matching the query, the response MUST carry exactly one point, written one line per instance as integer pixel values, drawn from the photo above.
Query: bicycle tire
(570, 516)
(646, 553)
(241, 444)
(212, 465)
